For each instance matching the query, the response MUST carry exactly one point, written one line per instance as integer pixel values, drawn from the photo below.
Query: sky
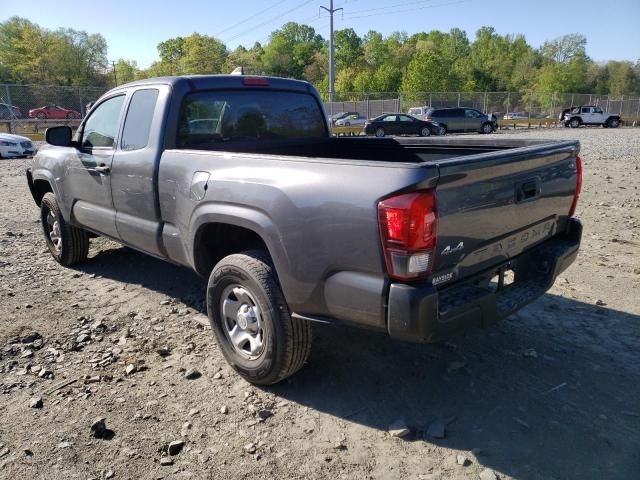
(133, 28)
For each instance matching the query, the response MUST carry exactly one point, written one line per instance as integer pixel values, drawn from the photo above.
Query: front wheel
(41, 116)
(574, 123)
(67, 244)
(251, 320)
(379, 132)
(487, 128)
(425, 131)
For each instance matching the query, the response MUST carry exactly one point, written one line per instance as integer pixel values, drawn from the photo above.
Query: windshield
(209, 118)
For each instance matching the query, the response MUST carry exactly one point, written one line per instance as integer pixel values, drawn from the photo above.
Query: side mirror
(58, 136)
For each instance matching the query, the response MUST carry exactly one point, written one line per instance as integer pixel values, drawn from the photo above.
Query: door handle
(102, 170)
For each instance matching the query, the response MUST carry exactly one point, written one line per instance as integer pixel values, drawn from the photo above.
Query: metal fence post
(607, 109)
(508, 102)
(429, 99)
(458, 99)
(484, 103)
(11, 115)
(82, 112)
(638, 110)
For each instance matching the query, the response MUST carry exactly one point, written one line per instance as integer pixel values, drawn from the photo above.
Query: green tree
(290, 50)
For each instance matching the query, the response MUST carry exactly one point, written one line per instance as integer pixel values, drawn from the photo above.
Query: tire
(67, 244)
(41, 115)
(71, 116)
(443, 129)
(425, 132)
(613, 123)
(346, 124)
(574, 122)
(380, 132)
(281, 344)
(486, 128)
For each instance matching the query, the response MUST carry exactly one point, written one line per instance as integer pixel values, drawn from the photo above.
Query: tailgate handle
(527, 190)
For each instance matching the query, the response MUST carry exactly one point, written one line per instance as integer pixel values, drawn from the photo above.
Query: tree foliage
(424, 61)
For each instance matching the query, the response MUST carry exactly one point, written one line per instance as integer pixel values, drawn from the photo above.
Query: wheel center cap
(243, 320)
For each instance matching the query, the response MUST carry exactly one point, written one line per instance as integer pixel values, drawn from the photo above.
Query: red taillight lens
(576, 196)
(408, 228)
(255, 81)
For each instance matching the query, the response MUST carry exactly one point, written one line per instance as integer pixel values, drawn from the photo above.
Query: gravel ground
(551, 393)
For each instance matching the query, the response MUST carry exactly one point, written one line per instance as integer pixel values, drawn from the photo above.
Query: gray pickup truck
(238, 178)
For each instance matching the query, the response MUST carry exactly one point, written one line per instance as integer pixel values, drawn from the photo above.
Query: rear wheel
(379, 132)
(70, 115)
(574, 123)
(67, 244)
(486, 128)
(443, 129)
(41, 116)
(425, 132)
(251, 320)
(613, 123)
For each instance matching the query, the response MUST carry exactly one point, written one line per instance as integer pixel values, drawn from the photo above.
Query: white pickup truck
(589, 115)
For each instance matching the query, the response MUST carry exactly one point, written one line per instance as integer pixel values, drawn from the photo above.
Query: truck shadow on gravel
(550, 393)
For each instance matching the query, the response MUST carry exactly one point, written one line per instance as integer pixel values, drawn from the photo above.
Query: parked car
(9, 112)
(339, 116)
(421, 113)
(12, 146)
(53, 112)
(590, 115)
(400, 124)
(463, 120)
(292, 225)
(351, 120)
(516, 116)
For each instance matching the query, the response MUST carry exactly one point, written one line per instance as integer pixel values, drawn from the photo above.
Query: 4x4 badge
(448, 250)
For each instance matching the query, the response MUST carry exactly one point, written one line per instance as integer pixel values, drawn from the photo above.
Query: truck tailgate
(493, 207)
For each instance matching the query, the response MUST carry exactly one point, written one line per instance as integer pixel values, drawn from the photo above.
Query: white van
(419, 112)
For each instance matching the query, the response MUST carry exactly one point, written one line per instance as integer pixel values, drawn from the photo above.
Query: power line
(250, 18)
(350, 17)
(266, 22)
(404, 4)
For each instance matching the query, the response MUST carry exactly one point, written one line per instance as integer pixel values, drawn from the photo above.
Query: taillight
(576, 195)
(255, 81)
(408, 228)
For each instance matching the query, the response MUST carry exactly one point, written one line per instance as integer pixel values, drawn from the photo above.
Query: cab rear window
(208, 119)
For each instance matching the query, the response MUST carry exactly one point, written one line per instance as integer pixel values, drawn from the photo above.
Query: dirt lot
(551, 393)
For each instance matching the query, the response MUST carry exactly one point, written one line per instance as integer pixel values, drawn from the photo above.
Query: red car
(53, 111)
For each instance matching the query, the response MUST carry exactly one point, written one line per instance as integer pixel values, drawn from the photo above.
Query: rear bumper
(422, 313)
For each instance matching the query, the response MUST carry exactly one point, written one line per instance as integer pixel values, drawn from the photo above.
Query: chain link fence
(528, 106)
(26, 109)
(21, 106)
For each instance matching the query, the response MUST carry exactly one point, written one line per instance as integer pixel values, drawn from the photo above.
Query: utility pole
(331, 11)
(115, 76)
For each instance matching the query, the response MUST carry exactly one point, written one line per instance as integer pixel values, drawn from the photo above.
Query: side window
(597, 110)
(101, 127)
(586, 110)
(135, 134)
(404, 118)
(389, 118)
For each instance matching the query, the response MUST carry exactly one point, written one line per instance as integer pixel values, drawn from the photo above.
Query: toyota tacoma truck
(238, 178)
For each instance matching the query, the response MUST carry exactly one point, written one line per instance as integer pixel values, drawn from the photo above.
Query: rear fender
(251, 219)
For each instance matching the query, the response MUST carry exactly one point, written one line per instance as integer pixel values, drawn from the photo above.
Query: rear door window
(208, 119)
(137, 125)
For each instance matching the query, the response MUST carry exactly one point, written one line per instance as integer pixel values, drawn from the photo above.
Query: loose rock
(175, 447)
(399, 429)
(488, 474)
(35, 402)
(192, 374)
